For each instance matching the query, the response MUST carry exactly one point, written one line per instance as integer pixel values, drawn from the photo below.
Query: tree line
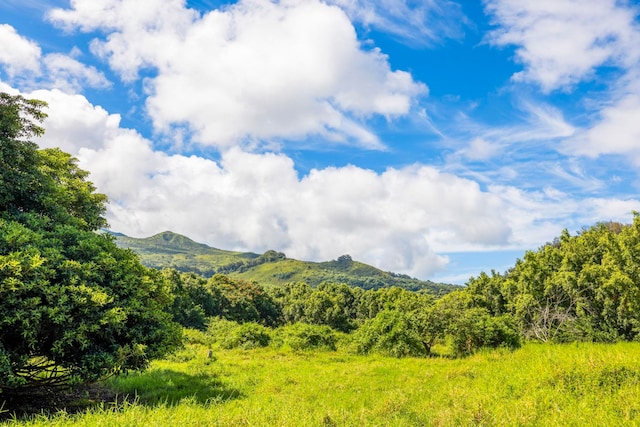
(584, 287)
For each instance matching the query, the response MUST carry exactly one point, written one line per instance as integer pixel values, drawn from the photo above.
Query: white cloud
(418, 23)
(256, 70)
(28, 68)
(402, 219)
(480, 149)
(616, 132)
(17, 53)
(141, 31)
(539, 125)
(562, 42)
(73, 122)
(608, 209)
(257, 201)
(66, 73)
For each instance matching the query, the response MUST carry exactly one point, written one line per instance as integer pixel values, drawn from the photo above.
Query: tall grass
(545, 385)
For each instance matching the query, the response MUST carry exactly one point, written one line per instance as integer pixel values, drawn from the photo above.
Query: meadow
(538, 384)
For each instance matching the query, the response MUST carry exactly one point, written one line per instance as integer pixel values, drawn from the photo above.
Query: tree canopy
(73, 306)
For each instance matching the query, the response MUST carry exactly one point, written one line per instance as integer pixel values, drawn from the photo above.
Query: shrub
(196, 336)
(303, 336)
(247, 336)
(390, 333)
(475, 328)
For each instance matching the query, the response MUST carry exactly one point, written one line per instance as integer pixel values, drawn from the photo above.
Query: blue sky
(436, 138)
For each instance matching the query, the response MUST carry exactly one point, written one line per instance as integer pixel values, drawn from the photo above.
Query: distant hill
(171, 250)
(168, 249)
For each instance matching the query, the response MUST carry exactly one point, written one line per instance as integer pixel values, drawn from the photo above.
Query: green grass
(541, 385)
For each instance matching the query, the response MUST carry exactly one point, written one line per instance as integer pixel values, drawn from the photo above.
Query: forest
(75, 308)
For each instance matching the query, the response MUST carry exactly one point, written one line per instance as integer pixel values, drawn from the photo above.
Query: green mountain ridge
(172, 250)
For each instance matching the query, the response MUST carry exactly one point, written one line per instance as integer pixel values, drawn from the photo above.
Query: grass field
(545, 385)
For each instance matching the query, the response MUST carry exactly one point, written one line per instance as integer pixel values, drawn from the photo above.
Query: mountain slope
(171, 250)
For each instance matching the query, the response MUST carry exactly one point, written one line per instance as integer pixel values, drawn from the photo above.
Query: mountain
(171, 250)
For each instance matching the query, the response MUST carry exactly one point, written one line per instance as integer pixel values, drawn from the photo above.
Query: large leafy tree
(73, 306)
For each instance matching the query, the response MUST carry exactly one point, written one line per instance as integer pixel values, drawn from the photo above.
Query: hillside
(168, 249)
(171, 250)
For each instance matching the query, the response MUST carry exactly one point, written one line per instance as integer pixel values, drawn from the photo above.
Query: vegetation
(333, 343)
(170, 250)
(73, 306)
(577, 288)
(584, 287)
(537, 385)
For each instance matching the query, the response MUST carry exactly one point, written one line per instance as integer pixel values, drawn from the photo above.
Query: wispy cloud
(421, 23)
(562, 42)
(40, 5)
(533, 122)
(616, 131)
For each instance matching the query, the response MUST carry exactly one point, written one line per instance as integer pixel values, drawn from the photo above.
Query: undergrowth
(575, 384)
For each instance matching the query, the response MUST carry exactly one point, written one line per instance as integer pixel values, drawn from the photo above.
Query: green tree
(243, 301)
(189, 299)
(292, 299)
(66, 196)
(19, 177)
(581, 287)
(73, 306)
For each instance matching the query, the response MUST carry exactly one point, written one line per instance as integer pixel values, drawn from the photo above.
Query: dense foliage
(582, 287)
(391, 321)
(577, 288)
(73, 306)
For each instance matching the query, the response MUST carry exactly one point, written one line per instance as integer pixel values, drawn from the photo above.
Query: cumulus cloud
(251, 201)
(17, 53)
(141, 32)
(66, 73)
(402, 219)
(257, 202)
(562, 42)
(254, 71)
(28, 68)
(73, 122)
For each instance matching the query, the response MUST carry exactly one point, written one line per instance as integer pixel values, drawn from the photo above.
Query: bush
(475, 328)
(246, 336)
(303, 336)
(390, 333)
(196, 336)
